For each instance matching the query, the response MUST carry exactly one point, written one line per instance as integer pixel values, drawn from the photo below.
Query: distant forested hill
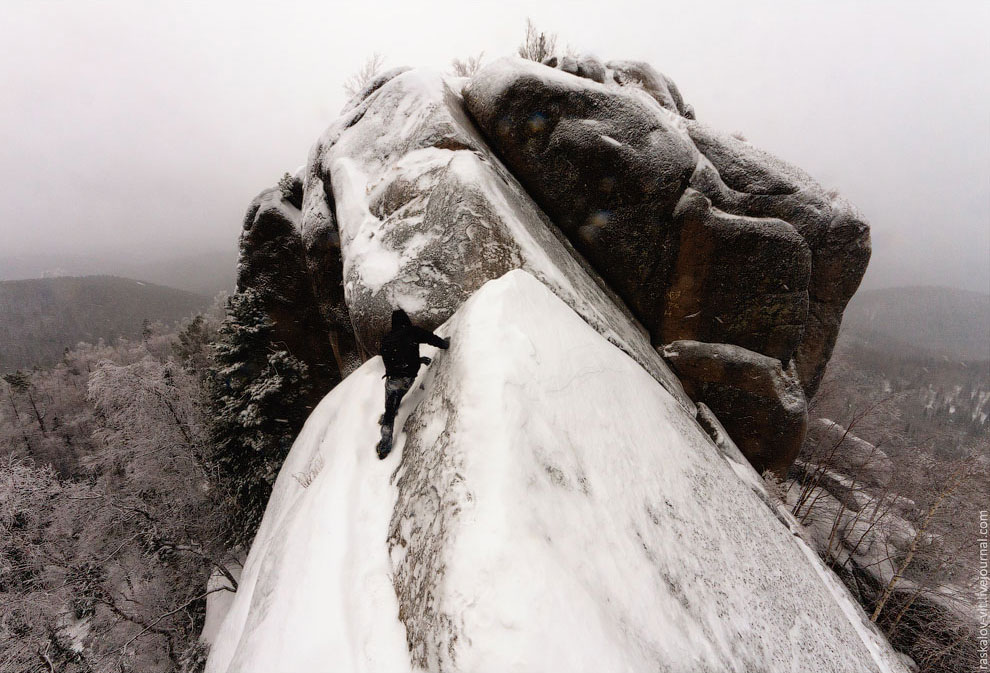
(937, 321)
(924, 351)
(40, 317)
(206, 272)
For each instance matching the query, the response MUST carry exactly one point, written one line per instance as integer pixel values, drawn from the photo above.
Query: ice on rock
(549, 506)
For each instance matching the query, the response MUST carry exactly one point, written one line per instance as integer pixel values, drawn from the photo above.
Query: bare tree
(468, 67)
(537, 46)
(356, 82)
(902, 543)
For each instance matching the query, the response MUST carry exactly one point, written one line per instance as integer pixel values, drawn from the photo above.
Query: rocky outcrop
(626, 73)
(658, 85)
(742, 179)
(606, 167)
(705, 237)
(609, 158)
(760, 404)
(654, 227)
(850, 454)
(583, 66)
(321, 241)
(426, 214)
(737, 280)
(839, 492)
(618, 228)
(843, 492)
(272, 263)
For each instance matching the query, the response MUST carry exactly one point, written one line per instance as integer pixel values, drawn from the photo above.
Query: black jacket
(400, 347)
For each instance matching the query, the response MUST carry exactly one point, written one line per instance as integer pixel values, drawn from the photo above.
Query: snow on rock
(548, 507)
(427, 215)
(315, 593)
(852, 455)
(613, 200)
(660, 87)
(218, 603)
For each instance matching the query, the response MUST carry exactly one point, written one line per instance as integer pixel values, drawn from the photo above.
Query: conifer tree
(259, 395)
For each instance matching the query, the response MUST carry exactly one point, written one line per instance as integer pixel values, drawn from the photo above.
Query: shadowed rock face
(737, 279)
(321, 242)
(606, 167)
(767, 262)
(744, 180)
(760, 404)
(272, 262)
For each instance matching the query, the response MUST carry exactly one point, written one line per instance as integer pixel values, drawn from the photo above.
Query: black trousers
(395, 390)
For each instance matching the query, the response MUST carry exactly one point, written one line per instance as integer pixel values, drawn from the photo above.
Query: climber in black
(400, 352)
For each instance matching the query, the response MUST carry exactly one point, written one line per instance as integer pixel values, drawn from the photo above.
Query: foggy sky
(143, 129)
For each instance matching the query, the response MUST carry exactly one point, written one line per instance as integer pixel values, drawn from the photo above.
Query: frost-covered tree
(371, 67)
(468, 66)
(259, 398)
(194, 345)
(104, 562)
(537, 45)
(273, 360)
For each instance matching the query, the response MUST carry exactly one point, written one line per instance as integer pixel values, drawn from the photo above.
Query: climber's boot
(385, 444)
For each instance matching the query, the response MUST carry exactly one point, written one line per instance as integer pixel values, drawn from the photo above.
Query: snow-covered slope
(549, 507)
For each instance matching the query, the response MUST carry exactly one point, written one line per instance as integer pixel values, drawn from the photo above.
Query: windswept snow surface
(315, 593)
(549, 506)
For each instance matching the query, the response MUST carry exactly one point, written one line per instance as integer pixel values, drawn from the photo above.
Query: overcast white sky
(145, 128)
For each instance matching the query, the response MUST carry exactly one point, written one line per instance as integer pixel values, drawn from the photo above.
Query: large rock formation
(596, 178)
(759, 403)
(742, 179)
(513, 529)
(559, 502)
(425, 215)
(272, 263)
(607, 167)
(704, 236)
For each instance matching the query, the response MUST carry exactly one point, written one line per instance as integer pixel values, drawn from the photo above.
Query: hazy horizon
(138, 132)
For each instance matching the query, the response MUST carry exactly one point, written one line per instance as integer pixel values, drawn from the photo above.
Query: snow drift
(549, 507)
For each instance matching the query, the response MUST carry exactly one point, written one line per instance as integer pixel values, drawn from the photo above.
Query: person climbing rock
(400, 352)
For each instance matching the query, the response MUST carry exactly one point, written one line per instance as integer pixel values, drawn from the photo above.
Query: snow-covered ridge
(427, 214)
(549, 507)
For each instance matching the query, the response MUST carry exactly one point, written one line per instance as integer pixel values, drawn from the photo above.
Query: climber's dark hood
(400, 319)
